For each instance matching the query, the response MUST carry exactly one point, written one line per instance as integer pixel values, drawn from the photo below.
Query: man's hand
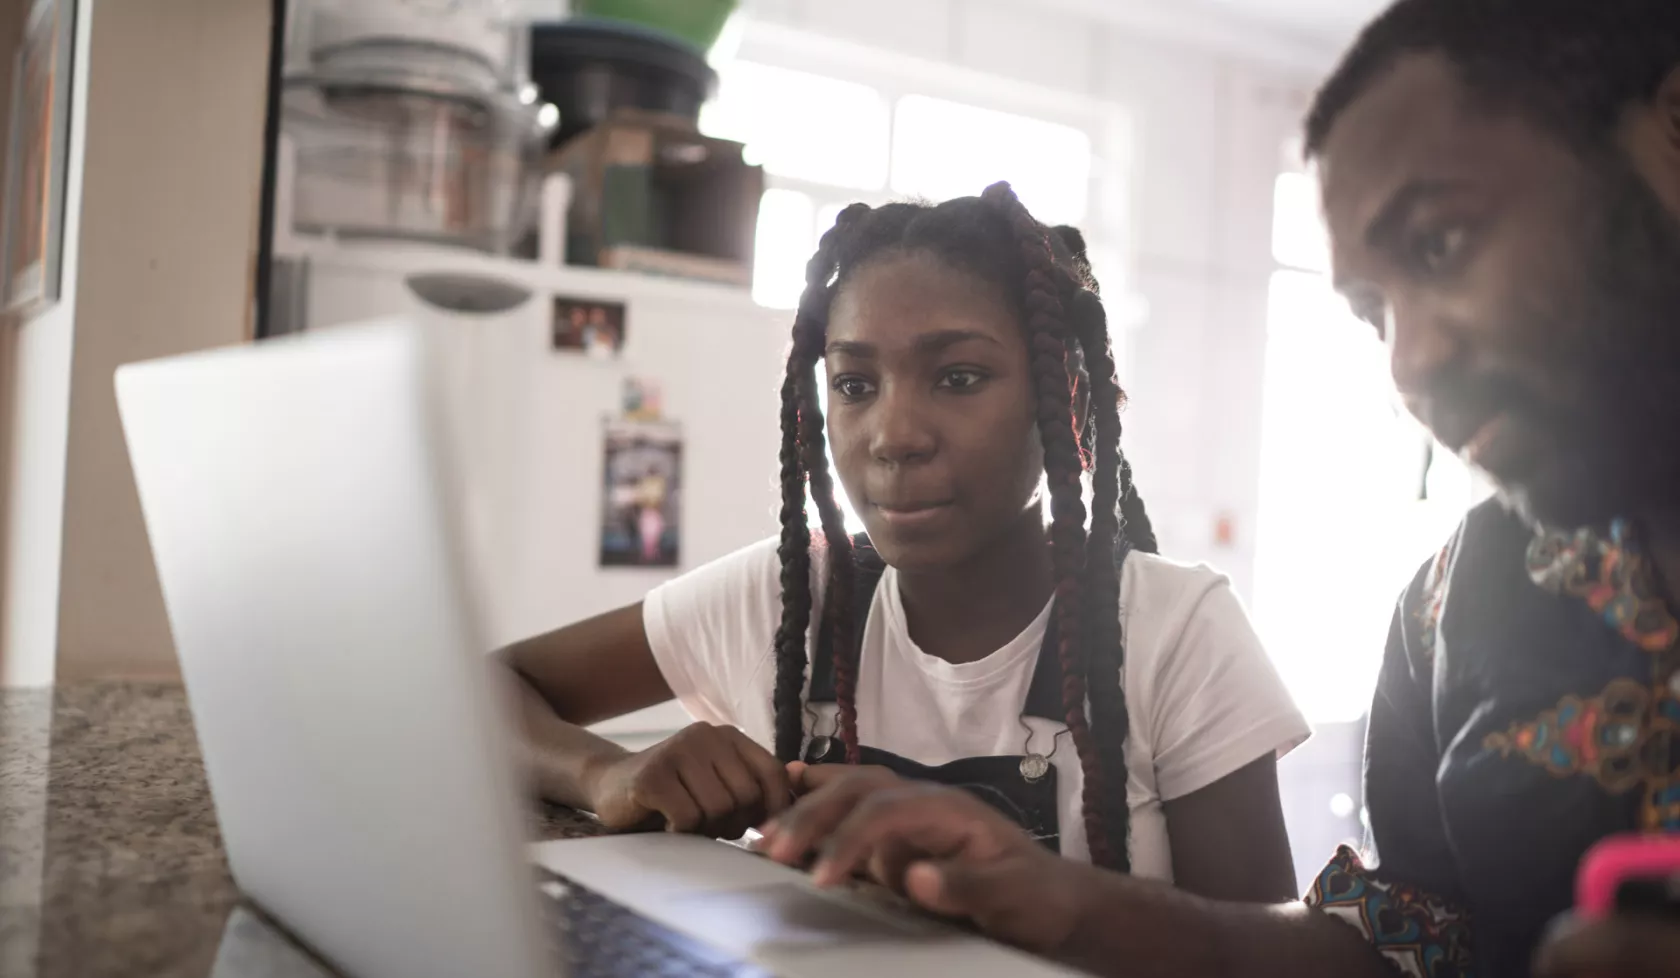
(1616, 947)
(704, 779)
(946, 850)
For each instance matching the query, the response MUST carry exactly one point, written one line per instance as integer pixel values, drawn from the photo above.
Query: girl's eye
(852, 387)
(961, 379)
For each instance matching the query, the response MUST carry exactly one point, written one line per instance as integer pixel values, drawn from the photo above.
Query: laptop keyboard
(598, 938)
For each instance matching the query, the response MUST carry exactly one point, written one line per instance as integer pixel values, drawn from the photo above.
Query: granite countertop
(111, 862)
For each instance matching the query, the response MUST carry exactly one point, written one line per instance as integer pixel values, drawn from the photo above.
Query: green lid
(698, 22)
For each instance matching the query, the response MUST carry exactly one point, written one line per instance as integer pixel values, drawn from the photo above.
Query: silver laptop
(300, 500)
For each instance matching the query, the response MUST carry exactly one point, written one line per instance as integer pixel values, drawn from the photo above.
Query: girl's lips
(912, 514)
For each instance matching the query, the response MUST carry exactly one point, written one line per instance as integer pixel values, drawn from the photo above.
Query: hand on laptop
(807, 778)
(946, 850)
(705, 779)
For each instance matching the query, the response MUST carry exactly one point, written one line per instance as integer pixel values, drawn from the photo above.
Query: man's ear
(1666, 108)
(1651, 135)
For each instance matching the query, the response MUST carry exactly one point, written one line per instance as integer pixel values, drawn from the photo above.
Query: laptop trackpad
(792, 917)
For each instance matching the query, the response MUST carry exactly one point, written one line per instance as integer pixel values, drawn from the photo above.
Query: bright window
(1298, 235)
(946, 149)
(809, 127)
(786, 238)
(826, 142)
(1352, 499)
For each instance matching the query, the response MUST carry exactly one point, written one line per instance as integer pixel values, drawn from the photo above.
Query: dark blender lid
(594, 40)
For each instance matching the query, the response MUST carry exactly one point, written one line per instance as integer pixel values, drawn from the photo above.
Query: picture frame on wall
(37, 160)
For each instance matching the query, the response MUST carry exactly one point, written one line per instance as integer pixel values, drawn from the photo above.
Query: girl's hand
(945, 850)
(710, 780)
(807, 778)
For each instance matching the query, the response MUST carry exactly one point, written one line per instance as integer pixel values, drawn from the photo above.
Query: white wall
(39, 434)
(34, 535)
(1212, 103)
(161, 240)
(171, 192)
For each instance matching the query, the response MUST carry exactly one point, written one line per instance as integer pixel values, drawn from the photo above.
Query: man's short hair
(1574, 66)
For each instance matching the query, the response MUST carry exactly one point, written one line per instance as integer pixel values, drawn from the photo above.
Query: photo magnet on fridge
(593, 326)
(642, 400)
(641, 502)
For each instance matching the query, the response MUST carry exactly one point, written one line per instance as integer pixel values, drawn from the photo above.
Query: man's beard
(1622, 446)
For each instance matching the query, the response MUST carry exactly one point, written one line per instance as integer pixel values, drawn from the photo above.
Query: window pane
(1108, 267)
(946, 149)
(804, 126)
(1298, 236)
(826, 216)
(1340, 461)
(782, 247)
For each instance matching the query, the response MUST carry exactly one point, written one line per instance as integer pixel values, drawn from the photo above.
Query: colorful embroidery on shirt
(1421, 935)
(1612, 577)
(1593, 737)
(1599, 737)
(1434, 597)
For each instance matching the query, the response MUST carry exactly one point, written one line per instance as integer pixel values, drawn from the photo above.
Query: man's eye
(1436, 251)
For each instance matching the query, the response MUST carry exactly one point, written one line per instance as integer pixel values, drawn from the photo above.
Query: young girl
(1115, 704)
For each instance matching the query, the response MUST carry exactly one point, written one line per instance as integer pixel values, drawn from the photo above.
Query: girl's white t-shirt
(1205, 701)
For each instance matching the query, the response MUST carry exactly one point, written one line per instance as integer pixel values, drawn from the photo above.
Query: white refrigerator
(543, 423)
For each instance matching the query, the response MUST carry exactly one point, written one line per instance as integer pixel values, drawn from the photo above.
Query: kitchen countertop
(111, 862)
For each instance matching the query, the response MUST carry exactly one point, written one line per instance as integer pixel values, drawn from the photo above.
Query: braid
(842, 574)
(1091, 328)
(1049, 339)
(1112, 489)
(802, 422)
(1139, 530)
(795, 554)
(1108, 655)
(794, 550)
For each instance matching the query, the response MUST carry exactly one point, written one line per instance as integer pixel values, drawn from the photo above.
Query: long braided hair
(1049, 282)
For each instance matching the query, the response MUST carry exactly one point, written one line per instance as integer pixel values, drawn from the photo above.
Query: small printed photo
(643, 399)
(641, 505)
(592, 326)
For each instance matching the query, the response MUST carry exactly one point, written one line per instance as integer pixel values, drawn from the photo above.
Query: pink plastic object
(1616, 860)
